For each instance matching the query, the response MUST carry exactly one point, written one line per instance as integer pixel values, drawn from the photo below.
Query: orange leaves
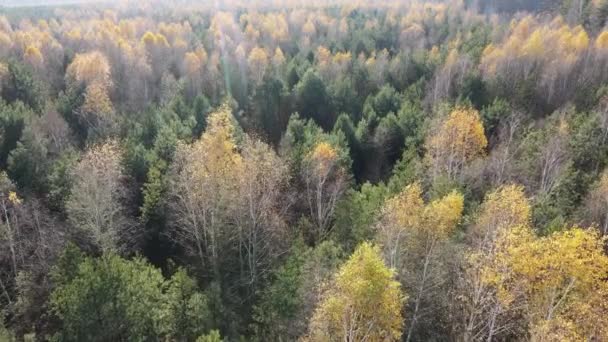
(459, 139)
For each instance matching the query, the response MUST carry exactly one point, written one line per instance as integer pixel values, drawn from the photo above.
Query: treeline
(373, 171)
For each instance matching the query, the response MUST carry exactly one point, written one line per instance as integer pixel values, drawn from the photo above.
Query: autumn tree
(363, 303)
(559, 278)
(413, 237)
(91, 71)
(262, 206)
(258, 61)
(326, 178)
(205, 189)
(459, 139)
(98, 205)
(485, 316)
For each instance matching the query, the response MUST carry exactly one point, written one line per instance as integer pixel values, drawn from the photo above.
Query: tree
(204, 185)
(287, 304)
(560, 278)
(596, 203)
(262, 205)
(258, 63)
(98, 204)
(20, 85)
(110, 298)
(485, 315)
(92, 72)
(364, 302)
(312, 99)
(30, 241)
(459, 139)
(414, 237)
(326, 180)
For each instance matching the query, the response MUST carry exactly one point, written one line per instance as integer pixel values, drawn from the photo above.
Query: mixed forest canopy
(304, 171)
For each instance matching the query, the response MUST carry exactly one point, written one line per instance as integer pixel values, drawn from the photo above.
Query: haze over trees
(329, 171)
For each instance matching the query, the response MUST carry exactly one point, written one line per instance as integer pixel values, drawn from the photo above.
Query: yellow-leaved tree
(326, 179)
(414, 240)
(258, 62)
(560, 281)
(363, 303)
(459, 139)
(484, 315)
(92, 72)
(204, 190)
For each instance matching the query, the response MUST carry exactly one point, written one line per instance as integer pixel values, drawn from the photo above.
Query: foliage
(363, 303)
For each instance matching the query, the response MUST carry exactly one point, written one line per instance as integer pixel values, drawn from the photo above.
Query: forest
(314, 171)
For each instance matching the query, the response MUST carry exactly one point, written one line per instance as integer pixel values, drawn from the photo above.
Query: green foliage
(356, 214)
(23, 87)
(113, 299)
(286, 305)
(28, 163)
(313, 101)
(270, 102)
(212, 336)
(13, 118)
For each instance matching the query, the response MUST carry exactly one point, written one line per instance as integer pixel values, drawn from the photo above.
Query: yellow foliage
(323, 157)
(216, 154)
(33, 56)
(459, 139)
(558, 277)
(442, 216)
(192, 63)
(13, 198)
(154, 40)
(601, 42)
(504, 208)
(97, 100)
(3, 72)
(534, 45)
(258, 62)
(363, 304)
(323, 55)
(278, 58)
(309, 28)
(406, 208)
(89, 68)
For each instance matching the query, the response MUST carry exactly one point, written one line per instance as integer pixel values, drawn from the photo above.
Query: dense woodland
(316, 171)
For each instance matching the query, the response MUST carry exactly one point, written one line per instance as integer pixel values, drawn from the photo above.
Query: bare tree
(262, 230)
(97, 206)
